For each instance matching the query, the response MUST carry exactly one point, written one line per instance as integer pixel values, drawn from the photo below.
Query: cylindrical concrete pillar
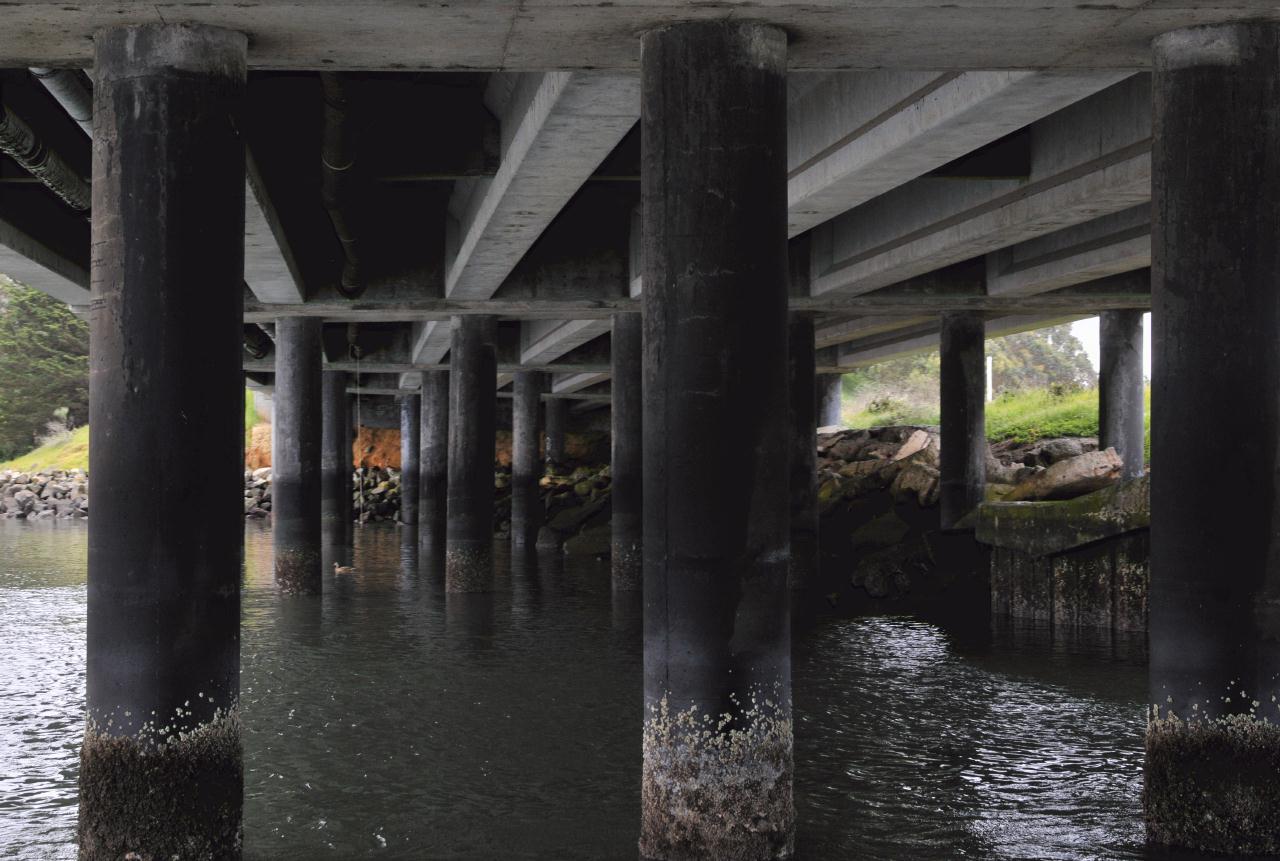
(473, 381)
(433, 490)
(556, 416)
(717, 629)
(335, 452)
(295, 456)
(963, 389)
(1120, 388)
(803, 443)
(1212, 743)
(626, 463)
(803, 453)
(526, 458)
(830, 395)
(410, 448)
(160, 768)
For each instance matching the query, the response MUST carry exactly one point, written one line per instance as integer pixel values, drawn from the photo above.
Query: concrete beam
(557, 128)
(844, 331)
(543, 341)
(852, 356)
(564, 384)
(1088, 160)
(569, 34)
(34, 264)
(405, 368)
(577, 397)
(1120, 242)
(268, 267)
(853, 137)
(884, 304)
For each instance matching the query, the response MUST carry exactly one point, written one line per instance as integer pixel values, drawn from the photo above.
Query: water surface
(386, 720)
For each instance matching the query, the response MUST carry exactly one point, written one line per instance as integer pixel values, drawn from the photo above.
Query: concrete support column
(556, 411)
(626, 462)
(296, 429)
(410, 448)
(1120, 388)
(717, 626)
(803, 442)
(526, 458)
(335, 451)
(473, 380)
(830, 395)
(433, 489)
(963, 378)
(1213, 744)
(160, 768)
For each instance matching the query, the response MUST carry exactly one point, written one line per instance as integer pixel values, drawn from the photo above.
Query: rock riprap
(44, 495)
(878, 499)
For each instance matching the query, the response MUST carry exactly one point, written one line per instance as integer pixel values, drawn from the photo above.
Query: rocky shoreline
(62, 494)
(901, 462)
(881, 537)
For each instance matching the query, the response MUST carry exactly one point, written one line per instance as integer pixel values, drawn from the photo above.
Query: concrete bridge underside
(453, 204)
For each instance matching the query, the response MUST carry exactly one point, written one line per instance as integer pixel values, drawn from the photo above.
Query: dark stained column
(335, 453)
(410, 448)
(473, 380)
(1120, 386)
(556, 411)
(1213, 744)
(803, 442)
(160, 768)
(433, 490)
(627, 465)
(830, 394)
(717, 629)
(963, 400)
(295, 456)
(526, 458)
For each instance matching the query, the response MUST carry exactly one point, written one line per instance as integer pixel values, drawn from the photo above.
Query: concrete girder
(563, 384)
(391, 365)
(1088, 160)
(853, 137)
(883, 303)
(29, 261)
(543, 341)
(557, 128)
(268, 269)
(853, 356)
(833, 333)
(566, 34)
(1109, 245)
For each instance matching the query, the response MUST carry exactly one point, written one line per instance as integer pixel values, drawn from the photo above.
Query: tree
(1051, 358)
(44, 367)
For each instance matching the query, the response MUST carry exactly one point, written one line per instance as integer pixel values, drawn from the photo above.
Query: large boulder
(1070, 478)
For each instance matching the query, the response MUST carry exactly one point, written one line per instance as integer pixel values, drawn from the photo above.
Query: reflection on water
(386, 719)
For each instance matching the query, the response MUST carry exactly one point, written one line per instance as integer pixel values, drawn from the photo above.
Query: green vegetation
(1051, 358)
(1044, 380)
(69, 451)
(1022, 416)
(250, 415)
(44, 369)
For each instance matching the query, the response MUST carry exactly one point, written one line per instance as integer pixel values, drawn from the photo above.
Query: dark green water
(386, 720)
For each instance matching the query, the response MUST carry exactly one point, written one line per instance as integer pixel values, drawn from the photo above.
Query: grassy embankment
(1024, 417)
(72, 452)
